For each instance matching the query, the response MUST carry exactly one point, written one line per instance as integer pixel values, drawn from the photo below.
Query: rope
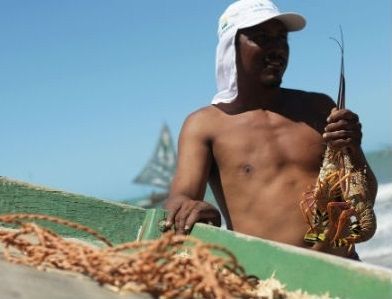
(158, 267)
(172, 266)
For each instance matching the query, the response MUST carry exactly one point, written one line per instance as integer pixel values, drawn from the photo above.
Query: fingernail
(168, 223)
(328, 119)
(325, 135)
(187, 227)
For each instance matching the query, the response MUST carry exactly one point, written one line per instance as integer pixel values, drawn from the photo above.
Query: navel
(247, 168)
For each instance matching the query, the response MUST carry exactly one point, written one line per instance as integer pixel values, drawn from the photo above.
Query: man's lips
(275, 66)
(275, 62)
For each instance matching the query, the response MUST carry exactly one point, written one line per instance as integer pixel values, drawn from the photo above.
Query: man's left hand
(343, 129)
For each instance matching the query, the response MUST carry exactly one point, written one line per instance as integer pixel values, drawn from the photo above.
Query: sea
(378, 250)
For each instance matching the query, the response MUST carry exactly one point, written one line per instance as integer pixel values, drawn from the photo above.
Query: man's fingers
(343, 129)
(173, 210)
(337, 115)
(343, 125)
(182, 217)
(202, 212)
(180, 224)
(192, 219)
(342, 134)
(184, 214)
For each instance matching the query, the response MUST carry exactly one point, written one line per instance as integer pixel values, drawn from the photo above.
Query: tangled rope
(172, 266)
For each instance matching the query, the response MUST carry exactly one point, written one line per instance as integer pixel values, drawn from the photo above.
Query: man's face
(262, 53)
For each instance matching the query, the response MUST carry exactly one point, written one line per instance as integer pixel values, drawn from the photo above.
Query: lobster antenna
(342, 84)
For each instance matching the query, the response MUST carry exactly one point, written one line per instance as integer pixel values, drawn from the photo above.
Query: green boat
(297, 268)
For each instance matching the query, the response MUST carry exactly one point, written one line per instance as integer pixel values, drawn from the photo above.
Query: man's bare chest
(273, 141)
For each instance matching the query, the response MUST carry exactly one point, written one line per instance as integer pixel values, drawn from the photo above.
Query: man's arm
(185, 203)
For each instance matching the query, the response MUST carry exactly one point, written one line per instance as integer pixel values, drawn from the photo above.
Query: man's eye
(264, 38)
(259, 37)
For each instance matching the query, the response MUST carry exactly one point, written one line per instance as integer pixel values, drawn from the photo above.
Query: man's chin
(272, 82)
(271, 79)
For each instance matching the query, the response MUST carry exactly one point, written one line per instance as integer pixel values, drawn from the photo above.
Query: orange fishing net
(172, 266)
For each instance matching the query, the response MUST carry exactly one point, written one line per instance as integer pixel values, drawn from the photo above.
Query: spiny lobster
(340, 200)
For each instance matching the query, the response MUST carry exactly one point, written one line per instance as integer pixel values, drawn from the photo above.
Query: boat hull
(297, 268)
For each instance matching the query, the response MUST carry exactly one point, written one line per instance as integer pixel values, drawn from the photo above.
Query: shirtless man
(259, 146)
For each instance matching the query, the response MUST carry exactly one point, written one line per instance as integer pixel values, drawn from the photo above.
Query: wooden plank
(303, 269)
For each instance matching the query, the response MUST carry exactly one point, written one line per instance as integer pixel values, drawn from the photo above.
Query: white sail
(160, 169)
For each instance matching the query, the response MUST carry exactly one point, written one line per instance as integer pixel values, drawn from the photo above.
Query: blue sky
(85, 85)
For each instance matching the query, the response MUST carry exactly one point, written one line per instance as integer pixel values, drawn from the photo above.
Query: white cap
(242, 14)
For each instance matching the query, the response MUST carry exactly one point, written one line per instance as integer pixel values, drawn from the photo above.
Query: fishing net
(172, 266)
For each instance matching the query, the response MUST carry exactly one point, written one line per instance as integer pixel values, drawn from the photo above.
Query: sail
(160, 169)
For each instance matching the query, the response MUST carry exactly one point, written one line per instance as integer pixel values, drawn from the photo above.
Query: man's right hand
(185, 212)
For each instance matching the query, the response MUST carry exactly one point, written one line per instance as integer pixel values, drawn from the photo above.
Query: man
(258, 145)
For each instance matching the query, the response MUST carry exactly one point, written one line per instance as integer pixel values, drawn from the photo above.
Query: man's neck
(258, 98)
(269, 99)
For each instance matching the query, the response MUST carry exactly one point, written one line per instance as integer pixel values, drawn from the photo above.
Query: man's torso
(263, 161)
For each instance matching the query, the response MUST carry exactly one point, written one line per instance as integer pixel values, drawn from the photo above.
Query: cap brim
(292, 21)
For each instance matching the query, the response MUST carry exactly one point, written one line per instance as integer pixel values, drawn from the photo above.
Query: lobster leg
(340, 214)
(306, 204)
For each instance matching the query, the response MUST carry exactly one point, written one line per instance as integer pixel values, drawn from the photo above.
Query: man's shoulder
(310, 95)
(201, 121)
(203, 114)
(313, 99)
